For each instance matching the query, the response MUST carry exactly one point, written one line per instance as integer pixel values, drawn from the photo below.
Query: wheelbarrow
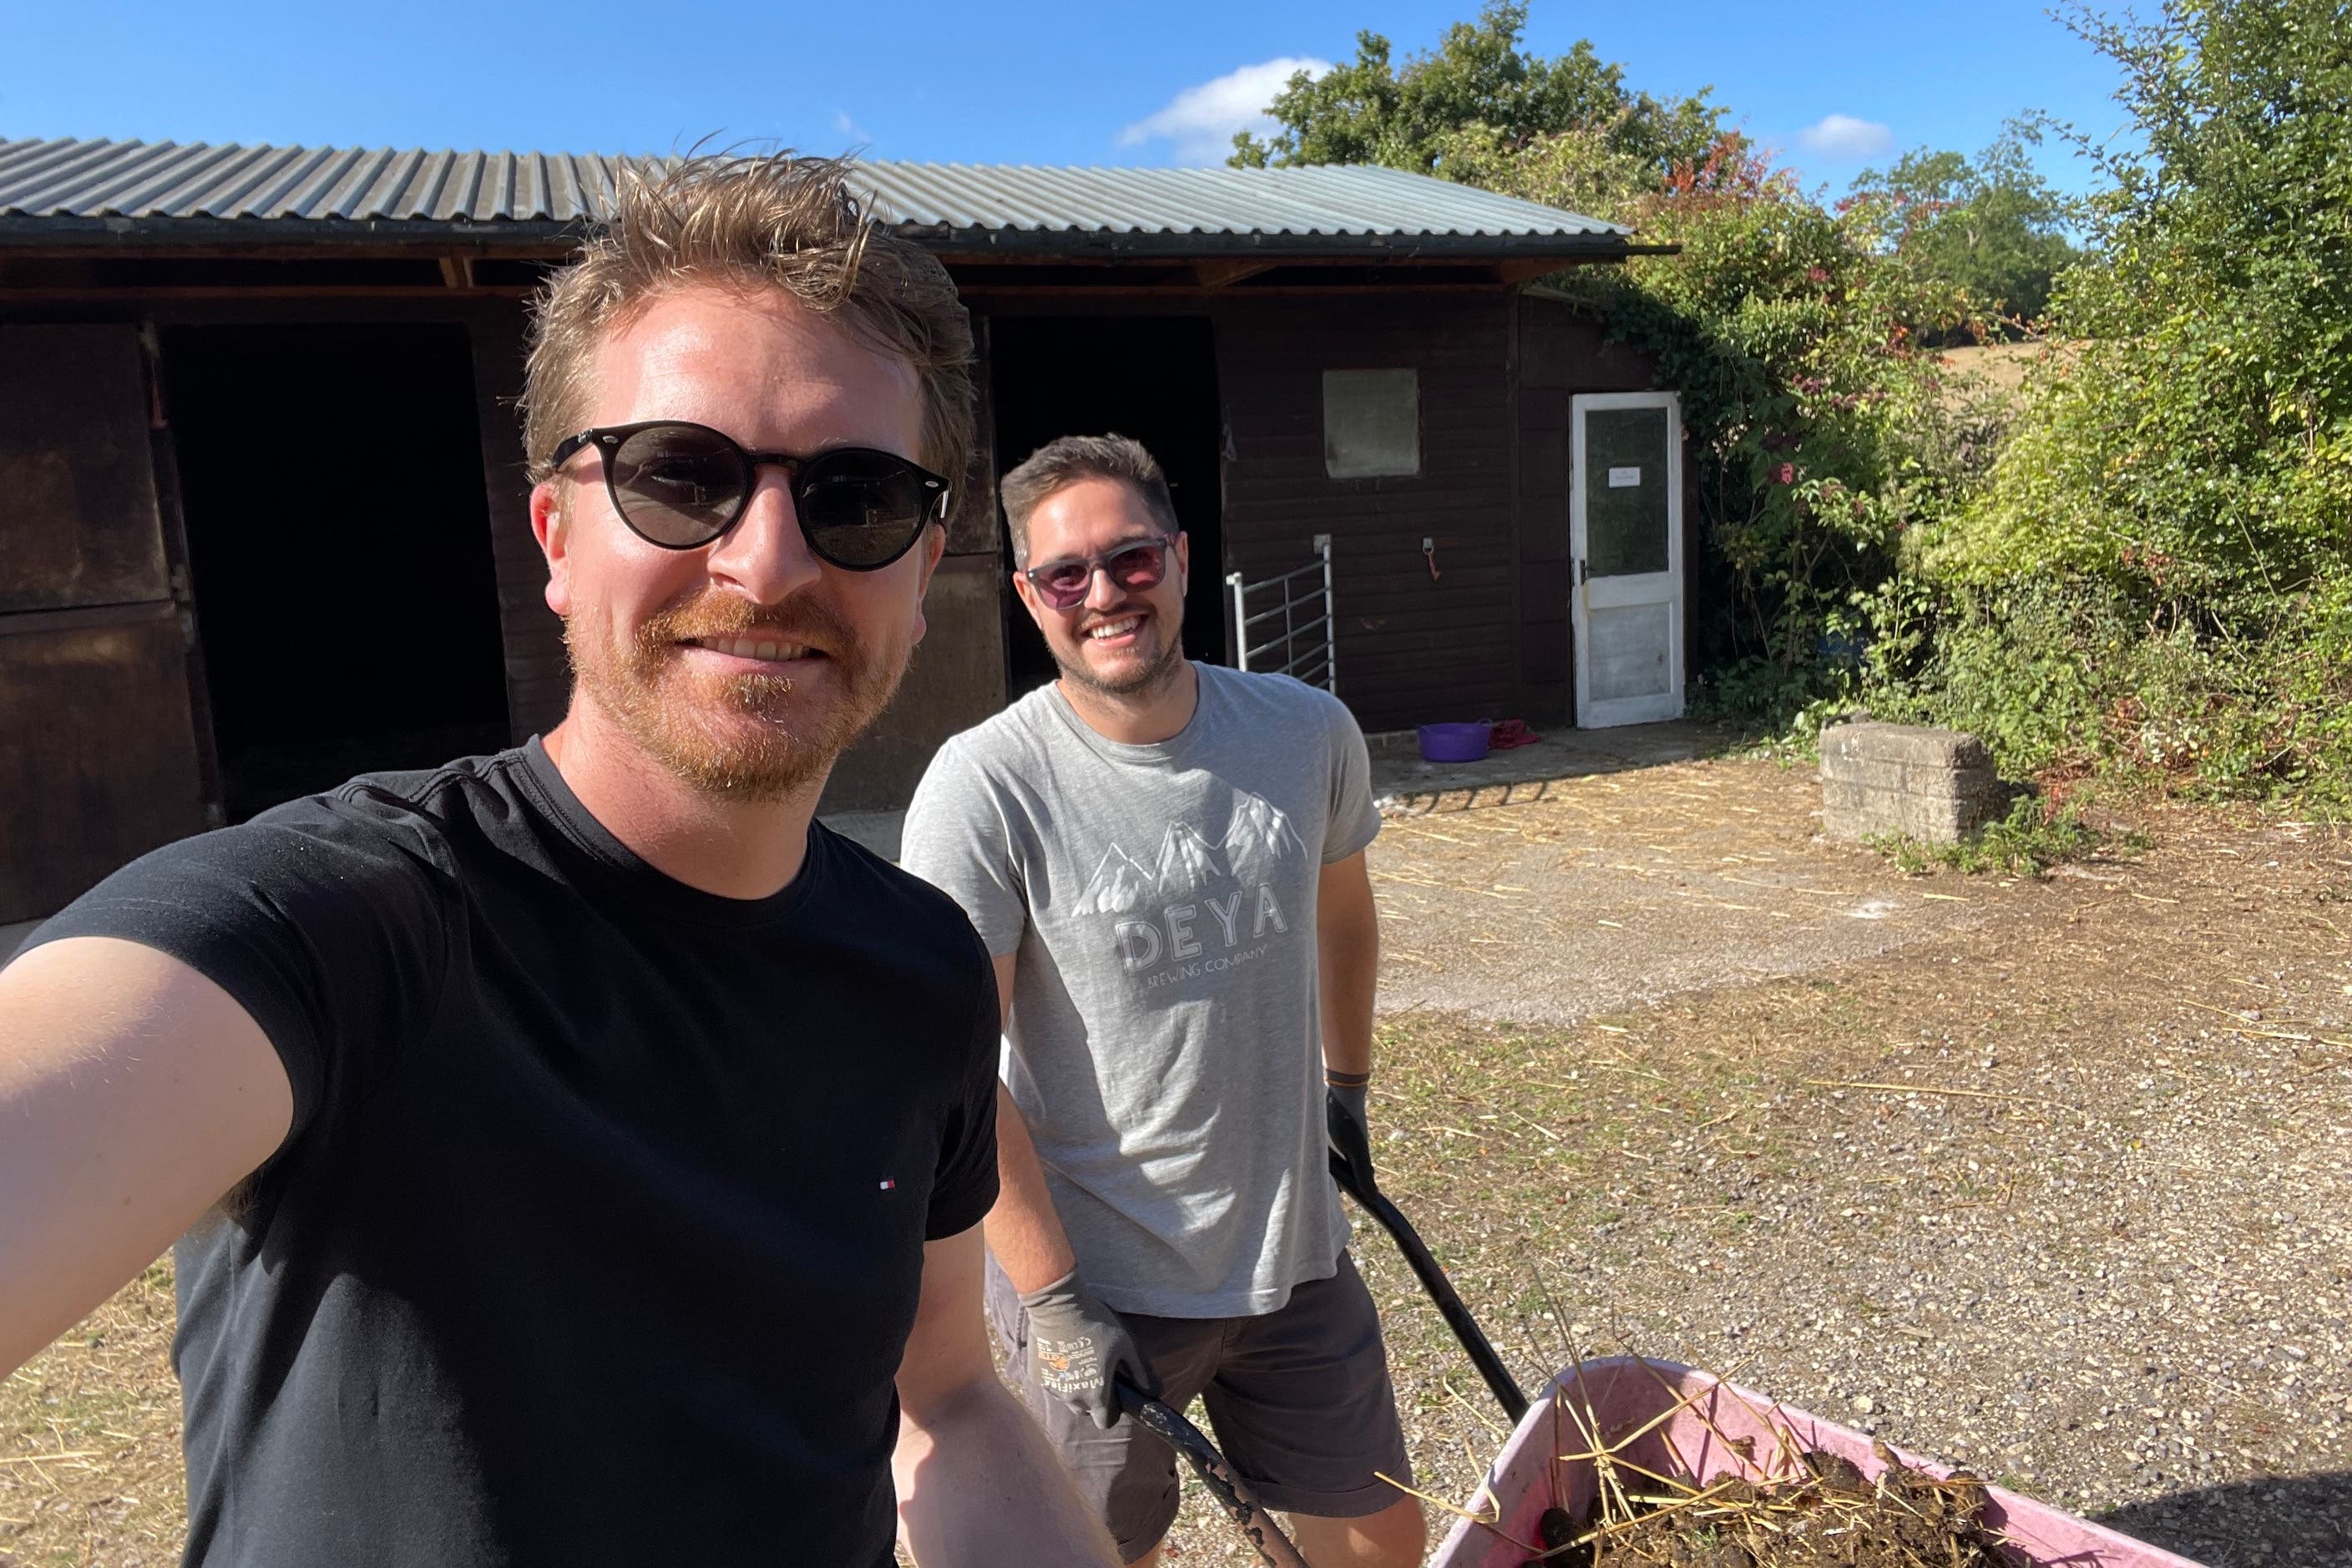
(1677, 1421)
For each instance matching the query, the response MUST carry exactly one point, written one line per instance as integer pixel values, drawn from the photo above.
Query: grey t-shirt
(1164, 1044)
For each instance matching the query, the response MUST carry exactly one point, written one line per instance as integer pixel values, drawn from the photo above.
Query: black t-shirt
(599, 1232)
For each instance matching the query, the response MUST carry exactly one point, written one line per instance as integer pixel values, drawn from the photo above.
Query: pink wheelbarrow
(1674, 1420)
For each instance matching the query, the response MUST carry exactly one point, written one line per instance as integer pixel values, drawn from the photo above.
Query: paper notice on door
(1625, 479)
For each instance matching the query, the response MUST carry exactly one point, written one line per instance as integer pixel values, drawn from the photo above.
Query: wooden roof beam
(1224, 274)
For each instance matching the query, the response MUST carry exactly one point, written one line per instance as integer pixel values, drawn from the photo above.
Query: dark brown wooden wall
(99, 760)
(1411, 648)
(1560, 353)
(539, 675)
(1488, 637)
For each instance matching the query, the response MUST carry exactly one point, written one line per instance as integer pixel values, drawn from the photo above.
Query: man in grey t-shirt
(1167, 860)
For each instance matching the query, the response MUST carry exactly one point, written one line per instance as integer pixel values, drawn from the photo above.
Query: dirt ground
(1616, 889)
(2053, 1178)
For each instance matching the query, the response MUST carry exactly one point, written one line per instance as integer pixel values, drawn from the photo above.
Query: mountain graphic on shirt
(1257, 839)
(1119, 886)
(1188, 862)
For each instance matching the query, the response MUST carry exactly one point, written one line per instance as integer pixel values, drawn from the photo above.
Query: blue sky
(1833, 86)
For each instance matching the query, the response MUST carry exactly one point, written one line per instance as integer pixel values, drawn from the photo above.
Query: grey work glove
(1352, 1136)
(1080, 1349)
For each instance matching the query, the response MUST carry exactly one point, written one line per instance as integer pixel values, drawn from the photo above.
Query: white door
(1625, 551)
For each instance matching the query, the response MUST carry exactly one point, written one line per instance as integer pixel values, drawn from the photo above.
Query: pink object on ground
(1509, 734)
(1453, 742)
(1625, 1394)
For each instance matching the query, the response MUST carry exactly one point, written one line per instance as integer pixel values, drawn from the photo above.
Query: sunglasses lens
(1065, 583)
(1141, 567)
(678, 485)
(862, 508)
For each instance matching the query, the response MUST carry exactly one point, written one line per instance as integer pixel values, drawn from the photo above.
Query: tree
(1473, 100)
(2171, 512)
(1992, 227)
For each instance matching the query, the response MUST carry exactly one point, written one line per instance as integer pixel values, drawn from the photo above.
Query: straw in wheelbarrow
(1233, 1494)
(1351, 1167)
(1629, 1460)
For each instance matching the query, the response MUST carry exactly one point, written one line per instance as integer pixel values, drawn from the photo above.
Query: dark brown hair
(1069, 458)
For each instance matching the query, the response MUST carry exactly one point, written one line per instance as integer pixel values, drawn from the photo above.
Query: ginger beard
(755, 737)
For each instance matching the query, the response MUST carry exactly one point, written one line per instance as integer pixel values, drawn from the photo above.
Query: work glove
(1352, 1136)
(1081, 1350)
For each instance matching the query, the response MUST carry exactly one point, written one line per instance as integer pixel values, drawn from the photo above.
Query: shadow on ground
(2301, 1520)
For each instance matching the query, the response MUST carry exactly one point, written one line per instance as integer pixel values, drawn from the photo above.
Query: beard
(749, 738)
(1138, 681)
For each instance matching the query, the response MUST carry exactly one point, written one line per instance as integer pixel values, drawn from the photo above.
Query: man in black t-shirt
(580, 1153)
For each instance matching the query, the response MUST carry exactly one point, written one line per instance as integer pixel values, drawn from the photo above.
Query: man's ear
(552, 528)
(1027, 594)
(1183, 562)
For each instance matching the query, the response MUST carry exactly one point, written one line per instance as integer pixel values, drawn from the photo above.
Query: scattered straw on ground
(90, 1441)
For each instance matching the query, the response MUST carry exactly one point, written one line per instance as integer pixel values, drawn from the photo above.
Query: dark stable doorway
(1151, 377)
(330, 479)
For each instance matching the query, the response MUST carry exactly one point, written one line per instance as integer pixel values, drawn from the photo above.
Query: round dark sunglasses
(680, 486)
(1065, 583)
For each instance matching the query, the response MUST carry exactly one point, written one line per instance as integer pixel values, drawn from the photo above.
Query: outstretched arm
(133, 1093)
(977, 1482)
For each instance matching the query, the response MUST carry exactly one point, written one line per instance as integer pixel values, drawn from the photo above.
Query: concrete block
(1934, 785)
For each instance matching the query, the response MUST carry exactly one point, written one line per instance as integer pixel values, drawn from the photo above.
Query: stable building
(263, 519)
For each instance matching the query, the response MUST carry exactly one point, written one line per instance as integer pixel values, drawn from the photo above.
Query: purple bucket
(1453, 742)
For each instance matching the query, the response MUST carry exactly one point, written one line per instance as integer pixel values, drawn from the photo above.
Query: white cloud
(1201, 121)
(849, 130)
(1843, 136)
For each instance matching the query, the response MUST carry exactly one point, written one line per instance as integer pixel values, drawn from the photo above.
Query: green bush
(2157, 572)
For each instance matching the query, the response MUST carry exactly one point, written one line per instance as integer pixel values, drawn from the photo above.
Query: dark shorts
(1298, 1399)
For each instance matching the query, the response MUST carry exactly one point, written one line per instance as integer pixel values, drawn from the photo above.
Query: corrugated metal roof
(167, 180)
(1354, 200)
(157, 187)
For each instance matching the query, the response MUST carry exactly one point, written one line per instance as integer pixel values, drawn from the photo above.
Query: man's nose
(765, 554)
(1102, 592)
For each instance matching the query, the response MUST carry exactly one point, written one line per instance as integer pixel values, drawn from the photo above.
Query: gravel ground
(2046, 1177)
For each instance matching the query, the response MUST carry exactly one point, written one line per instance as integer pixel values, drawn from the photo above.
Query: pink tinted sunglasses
(1065, 583)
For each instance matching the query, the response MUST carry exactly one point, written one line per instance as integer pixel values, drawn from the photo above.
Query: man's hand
(978, 1484)
(1352, 1136)
(1081, 1349)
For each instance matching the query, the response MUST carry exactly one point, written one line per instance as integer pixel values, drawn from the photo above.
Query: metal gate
(1300, 631)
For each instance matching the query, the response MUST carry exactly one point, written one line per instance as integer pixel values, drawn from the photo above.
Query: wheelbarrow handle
(1361, 1187)
(1233, 1494)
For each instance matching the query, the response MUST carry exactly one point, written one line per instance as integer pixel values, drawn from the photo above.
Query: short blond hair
(778, 221)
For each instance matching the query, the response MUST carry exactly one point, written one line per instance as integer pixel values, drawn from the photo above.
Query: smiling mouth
(1109, 629)
(768, 651)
